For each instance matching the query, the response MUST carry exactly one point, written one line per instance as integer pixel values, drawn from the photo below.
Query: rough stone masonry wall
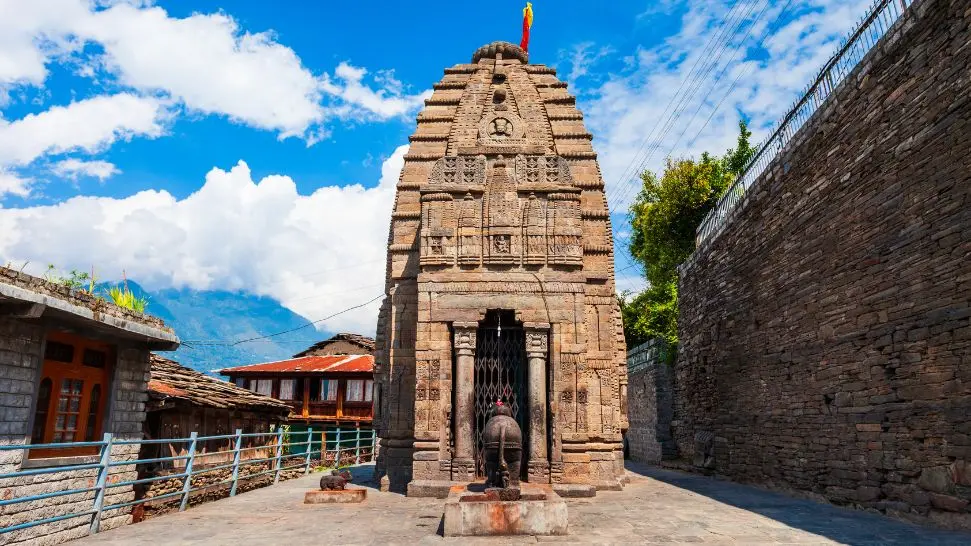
(650, 393)
(825, 335)
(21, 349)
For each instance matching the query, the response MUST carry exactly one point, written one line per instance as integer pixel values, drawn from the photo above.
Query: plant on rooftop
(122, 296)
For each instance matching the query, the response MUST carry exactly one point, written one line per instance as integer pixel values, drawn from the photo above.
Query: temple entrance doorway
(500, 374)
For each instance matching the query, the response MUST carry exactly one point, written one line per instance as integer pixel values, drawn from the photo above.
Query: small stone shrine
(500, 286)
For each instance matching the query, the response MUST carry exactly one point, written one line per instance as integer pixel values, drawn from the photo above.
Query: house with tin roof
(329, 384)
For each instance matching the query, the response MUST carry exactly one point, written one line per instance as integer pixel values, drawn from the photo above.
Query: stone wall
(21, 350)
(650, 393)
(825, 334)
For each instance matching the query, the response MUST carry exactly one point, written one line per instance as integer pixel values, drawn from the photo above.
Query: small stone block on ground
(574, 490)
(437, 489)
(345, 496)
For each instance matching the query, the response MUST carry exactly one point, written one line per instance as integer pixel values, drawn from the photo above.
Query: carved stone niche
(500, 128)
(534, 230)
(469, 230)
(438, 223)
(566, 231)
(503, 245)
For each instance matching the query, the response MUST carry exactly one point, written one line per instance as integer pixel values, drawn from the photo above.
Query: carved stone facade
(500, 211)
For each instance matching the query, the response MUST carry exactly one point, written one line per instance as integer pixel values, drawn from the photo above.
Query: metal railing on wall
(872, 27)
(337, 448)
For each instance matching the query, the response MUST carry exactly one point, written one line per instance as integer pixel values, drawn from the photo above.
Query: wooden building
(329, 384)
(182, 401)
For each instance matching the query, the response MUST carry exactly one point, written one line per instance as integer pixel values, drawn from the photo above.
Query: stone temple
(500, 286)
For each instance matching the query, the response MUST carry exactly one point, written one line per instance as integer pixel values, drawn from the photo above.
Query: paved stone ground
(657, 506)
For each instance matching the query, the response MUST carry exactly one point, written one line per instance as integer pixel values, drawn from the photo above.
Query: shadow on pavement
(845, 525)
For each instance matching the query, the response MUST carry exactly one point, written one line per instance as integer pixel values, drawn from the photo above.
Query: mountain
(209, 321)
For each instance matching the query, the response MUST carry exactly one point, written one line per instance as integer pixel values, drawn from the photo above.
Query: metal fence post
(239, 444)
(337, 455)
(102, 485)
(374, 444)
(310, 448)
(187, 484)
(357, 446)
(279, 453)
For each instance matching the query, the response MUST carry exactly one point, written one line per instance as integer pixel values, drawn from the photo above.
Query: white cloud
(359, 100)
(12, 184)
(205, 62)
(317, 253)
(74, 168)
(626, 108)
(89, 125)
(581, 58)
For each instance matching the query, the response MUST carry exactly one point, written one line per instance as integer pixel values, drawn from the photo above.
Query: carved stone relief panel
(534, 230)
(438, 229)
(470, 229)
(565, 244)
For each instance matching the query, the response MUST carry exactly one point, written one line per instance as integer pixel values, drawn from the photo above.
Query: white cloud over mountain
(317, 254)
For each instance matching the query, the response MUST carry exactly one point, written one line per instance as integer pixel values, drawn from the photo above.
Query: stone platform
(345, 496)
(538, 512)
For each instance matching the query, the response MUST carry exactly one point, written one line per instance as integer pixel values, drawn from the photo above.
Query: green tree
(664, 218)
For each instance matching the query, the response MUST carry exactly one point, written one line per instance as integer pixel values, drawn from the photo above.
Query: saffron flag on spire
(527, 22)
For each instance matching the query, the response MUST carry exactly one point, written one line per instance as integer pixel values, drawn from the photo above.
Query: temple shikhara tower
(500, 286)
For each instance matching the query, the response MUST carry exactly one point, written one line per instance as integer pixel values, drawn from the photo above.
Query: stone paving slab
(658, 506)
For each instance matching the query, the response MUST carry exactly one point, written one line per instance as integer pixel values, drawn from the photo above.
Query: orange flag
(527, 22)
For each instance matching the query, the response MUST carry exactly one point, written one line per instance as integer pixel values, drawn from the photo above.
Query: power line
(693, 81)
(714, 84)
(194, 343)
(744, 72)
(628, 172)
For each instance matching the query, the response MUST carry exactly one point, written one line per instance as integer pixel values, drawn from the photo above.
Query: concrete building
(500, 285)
(72, 367)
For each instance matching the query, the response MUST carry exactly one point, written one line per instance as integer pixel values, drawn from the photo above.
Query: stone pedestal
(539, 511)
(345, 496)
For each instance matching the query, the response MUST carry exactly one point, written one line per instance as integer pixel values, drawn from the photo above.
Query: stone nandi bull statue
(502, 446)
(335, 481)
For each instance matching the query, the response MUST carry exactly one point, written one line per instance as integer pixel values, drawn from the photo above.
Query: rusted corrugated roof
(314, 364)
(170, 380)
(363, 342)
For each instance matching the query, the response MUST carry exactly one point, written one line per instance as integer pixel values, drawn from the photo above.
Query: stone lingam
(334, 490)
(505, 506)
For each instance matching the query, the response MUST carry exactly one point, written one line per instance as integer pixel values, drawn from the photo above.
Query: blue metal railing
(875, 24)
(347, 446)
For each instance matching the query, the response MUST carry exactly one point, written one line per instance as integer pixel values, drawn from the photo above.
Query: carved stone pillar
(537, 348)
(463, 463)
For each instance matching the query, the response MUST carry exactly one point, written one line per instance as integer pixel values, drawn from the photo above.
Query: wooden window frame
(57, 372)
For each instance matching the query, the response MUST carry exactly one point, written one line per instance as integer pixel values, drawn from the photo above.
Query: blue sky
(254, 145)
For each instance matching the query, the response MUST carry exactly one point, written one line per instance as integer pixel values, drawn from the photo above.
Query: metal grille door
(500, 373)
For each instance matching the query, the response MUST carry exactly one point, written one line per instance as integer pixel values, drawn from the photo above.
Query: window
(328, 390)
(240, 382)
(368, 390)
(71, 396)
(355, 390)
(287, 388)
(262, 386)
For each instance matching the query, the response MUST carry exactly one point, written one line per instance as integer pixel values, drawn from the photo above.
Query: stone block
(345, 496)
(574, 490)
(438, 489)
